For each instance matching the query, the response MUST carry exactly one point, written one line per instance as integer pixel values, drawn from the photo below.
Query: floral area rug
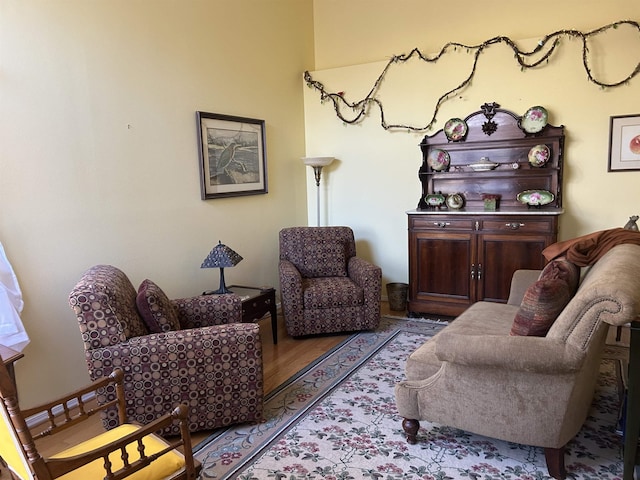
(337, 420)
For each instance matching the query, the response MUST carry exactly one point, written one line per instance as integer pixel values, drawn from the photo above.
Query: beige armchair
(533, 390)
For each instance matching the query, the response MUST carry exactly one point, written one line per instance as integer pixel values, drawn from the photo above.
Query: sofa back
(318, 251)
(609, 293)
(104, 301)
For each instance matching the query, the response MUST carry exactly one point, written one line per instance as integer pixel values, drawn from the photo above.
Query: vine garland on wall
(524, 59)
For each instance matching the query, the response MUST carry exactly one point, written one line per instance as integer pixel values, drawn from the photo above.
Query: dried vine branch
(549, 42)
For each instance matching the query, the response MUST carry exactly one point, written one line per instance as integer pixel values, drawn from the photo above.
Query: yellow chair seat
(160, 468)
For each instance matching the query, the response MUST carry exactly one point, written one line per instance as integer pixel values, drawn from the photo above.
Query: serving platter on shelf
(535, 198)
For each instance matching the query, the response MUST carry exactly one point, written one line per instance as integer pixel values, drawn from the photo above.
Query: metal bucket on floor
(397, 295)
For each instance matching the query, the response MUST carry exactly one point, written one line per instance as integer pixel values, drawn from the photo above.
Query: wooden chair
(127, 451)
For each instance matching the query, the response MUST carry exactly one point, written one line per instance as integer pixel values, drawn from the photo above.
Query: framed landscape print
(232, 155)
(624, 143)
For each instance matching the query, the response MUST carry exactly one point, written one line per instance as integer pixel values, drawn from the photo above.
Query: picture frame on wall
(232, 155)
(624, 143)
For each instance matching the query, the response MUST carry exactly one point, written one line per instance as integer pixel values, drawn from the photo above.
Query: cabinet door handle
(514, 225)
(473, 271)
(479, 271)
(441, 224)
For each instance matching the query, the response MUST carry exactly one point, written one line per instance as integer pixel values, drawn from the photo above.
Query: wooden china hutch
(463, 247)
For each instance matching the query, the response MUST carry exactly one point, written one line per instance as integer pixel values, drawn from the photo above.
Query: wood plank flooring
(280, 362)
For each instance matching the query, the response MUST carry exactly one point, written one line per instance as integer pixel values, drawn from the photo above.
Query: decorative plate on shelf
(438, 160)
(539, 155)
(535, 197)
(434, 199)
(455, 129)
(534, 119)
(455, 201)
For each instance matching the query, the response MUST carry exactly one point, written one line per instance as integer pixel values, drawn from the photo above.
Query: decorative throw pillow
(156, 309)
(542, 303)
(324, 259)
(562, 269)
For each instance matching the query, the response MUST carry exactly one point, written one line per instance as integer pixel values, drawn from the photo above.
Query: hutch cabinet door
(499, 256)
(440, 271)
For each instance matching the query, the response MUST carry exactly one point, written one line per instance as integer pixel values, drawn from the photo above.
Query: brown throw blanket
(586, 250)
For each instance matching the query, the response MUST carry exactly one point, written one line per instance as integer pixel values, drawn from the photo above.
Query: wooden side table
(256, 303)
(9, 357)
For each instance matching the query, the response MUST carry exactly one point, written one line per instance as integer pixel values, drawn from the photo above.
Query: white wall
(375, 180)
(98, 150)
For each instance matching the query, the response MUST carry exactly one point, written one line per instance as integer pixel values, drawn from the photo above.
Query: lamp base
(223, 288)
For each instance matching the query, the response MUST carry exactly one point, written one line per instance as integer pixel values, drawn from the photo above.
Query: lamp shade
(220, 257)
(317, 161)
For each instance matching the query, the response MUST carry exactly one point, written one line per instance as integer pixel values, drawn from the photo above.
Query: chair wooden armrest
(114, 454)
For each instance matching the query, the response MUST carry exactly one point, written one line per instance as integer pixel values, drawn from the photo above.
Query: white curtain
(12, 332)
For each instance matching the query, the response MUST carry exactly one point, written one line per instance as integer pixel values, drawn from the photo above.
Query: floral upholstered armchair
(325, 287)
(193, 350)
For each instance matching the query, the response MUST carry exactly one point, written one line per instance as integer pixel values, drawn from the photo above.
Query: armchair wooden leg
(555, 462)
(411, 428)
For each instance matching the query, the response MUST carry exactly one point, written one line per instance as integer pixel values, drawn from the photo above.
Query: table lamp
(221, 257)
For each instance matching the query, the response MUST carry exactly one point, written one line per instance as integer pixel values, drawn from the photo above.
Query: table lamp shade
(221, 257)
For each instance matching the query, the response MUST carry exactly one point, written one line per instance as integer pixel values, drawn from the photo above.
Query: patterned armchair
(324, 287)
(193, 350)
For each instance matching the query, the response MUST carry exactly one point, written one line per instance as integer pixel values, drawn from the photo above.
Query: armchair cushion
(161, 468)
(325, 259)
(542, 303)
(157, 311)
(331, 292)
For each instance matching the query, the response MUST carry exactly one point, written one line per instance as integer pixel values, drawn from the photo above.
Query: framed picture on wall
(233, 160)
(624, 143)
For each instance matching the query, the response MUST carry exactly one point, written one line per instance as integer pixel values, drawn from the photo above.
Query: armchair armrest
(113, 460)
(291, 281)
(531, 354)
(364, 273)
(207, 310)
(520, 281)
(104, 360)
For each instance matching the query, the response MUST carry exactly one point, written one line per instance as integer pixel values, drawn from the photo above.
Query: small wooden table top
(9, 355)
(256, 303)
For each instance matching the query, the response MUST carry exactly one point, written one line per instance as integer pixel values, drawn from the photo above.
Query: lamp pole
(317, 163)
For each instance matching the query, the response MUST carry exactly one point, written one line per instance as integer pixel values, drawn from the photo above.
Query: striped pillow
(542, 303)
(562, 269)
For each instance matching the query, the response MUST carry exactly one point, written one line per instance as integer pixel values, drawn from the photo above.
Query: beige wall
(98, 150)
(374, 180)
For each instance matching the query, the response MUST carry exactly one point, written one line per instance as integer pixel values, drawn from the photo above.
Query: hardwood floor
(280, 362)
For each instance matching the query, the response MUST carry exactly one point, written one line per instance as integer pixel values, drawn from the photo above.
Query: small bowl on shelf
(483, 165)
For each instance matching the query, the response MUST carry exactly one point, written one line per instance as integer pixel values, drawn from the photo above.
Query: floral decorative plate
(539, 155)
(434, 199)
(455, 129)
(455, 201)
(534, 119)
(438, 160)
(535, 197)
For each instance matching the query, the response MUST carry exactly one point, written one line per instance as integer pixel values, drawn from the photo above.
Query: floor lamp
(317, 163)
